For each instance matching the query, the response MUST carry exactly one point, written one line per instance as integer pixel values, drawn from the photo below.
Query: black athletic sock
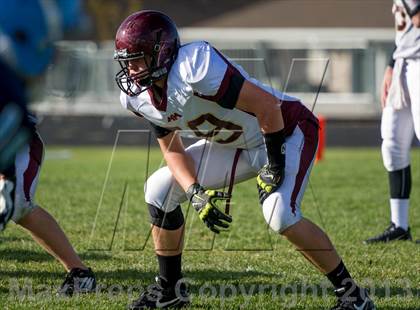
(170, 268)
(400, 183)
(342, 281)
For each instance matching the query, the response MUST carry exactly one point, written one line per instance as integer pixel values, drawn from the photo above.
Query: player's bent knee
(22, 209)
(157, 188)
(166, 220)
(278, 213)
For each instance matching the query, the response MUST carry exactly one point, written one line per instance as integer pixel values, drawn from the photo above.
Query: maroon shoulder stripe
(230, 87)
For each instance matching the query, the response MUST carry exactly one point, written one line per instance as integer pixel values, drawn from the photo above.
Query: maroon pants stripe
(36, 148)
(310, 132)
(232, 178)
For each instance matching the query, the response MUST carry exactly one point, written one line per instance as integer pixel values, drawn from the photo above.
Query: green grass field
(248, 267)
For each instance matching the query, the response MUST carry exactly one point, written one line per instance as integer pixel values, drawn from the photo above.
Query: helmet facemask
(135, 84)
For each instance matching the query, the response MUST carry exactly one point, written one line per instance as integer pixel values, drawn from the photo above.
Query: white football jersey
(199, 99)
(407, 37)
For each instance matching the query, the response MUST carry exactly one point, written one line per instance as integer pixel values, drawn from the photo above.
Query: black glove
(205, 203)
(269, 180)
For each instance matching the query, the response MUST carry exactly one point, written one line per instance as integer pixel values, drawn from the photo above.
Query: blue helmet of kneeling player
(28, 30)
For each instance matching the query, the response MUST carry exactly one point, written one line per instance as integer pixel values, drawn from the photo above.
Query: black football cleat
(78, 281)
(391, 233)
(344, 302)
(161, 296)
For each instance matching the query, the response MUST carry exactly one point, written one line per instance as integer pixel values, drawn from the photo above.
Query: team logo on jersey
(174, 117)
(215, 127)
(283, 148)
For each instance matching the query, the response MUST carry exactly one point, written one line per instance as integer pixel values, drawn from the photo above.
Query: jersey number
(201, 129)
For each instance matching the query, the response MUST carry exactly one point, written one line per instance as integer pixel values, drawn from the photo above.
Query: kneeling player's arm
(179, 162)
(267, 109)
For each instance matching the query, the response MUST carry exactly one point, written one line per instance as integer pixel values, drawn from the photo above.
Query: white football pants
(399, 126)
(214, 163)
(27, 169)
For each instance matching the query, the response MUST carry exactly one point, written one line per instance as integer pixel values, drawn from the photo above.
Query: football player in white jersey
(246, 129)
(400, 99)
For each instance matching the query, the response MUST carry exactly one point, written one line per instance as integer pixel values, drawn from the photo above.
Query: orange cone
(321, 140)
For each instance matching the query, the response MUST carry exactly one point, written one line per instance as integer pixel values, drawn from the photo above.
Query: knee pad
(22, 208)
(278, 213)
(166, 220)
(400, 183)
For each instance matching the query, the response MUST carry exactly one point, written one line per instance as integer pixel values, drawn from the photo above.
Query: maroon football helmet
(145, 33)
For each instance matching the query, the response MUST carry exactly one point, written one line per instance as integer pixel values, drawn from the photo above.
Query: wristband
(276, 148)
(192, 190)
(391, 61)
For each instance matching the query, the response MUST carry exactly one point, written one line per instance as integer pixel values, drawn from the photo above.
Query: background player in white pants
(400, 99)
(194, 90)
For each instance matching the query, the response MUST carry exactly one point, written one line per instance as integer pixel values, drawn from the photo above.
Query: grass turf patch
(247, 267)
